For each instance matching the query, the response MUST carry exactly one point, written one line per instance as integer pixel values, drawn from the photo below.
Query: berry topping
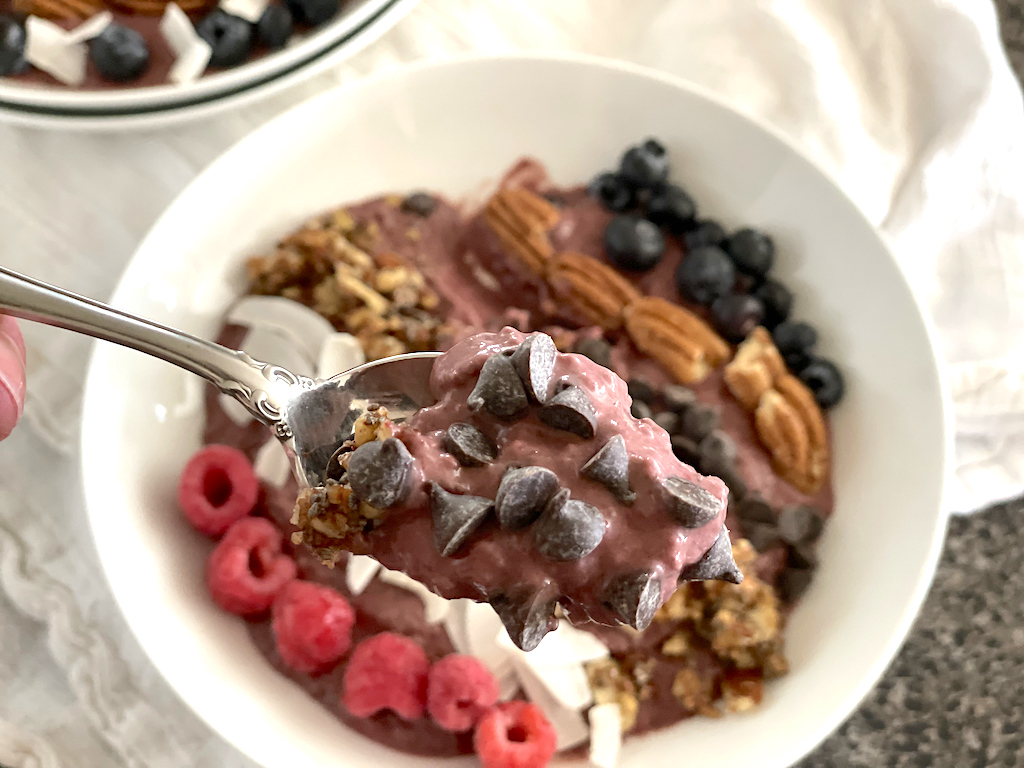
(499, 389)
(633, 244)
(610, 467)
(522, 495)
(313, 12)
(572, 411)
(753, 252)
(797, 361)
(569, 529)
(470, 446)
(706, 232)
(420, 204)
(823, 379)
(380, 472)
(534, 361)
(705, 274)
(12, 46)
(613, 192)
(514, 735)
(247, 570)
(645, 166)
(275, 26)
(455, 517)
(230, 38)
(312, 625)
(635, 598)
(777, 300)
(671, 207)
(689, 504)
(386, 671)
(794, 337)
(460, 689)
(119, 53)
(217, 487)
(736, 314)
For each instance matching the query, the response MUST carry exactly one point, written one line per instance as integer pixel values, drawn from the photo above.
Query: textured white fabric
(909, 104)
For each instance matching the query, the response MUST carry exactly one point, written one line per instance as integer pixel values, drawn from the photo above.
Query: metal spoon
(311, 417)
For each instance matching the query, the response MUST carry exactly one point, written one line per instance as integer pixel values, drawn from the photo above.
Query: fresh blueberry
(777, 300)
(614, 193)
(120, 53)
(669, 206)
(633, 244)
(706, 232)
(275, 26)
(752, 251)
(792, 336)
(705, 274)
(12, 46)
(313, 12)
(736, 314)
(229, 36)
(824, 380)
(797, 361)
(646, 165)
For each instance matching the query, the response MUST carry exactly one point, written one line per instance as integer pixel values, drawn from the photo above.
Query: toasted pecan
(521, 220)
(683, 343)
(591, 288)
(753, 370)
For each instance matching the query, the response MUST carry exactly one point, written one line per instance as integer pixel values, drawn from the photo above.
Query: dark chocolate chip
(610, 467)
(572, 411)
(641, 410)
(598, 350)
(763, 536)
(685, 449)
(498, 389)
(735, 482)
(634, 597)
(526, 620)
(803, 555)
(689, 504)
(380, 472)
(455, 517)
(469, 445)
(716, 564)
(534, 361)
(569, 529)
(334, 470)
(678, 398)
(641, 389)
(522, 495)
(717, 450)
(420, 204)
(754, 509)
(799, 524)
(667, 420)
(793, 582)
(699, 421)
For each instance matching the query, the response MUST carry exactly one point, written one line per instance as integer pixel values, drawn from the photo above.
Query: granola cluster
(381, 299)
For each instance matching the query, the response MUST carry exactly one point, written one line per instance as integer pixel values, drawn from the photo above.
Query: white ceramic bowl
(449, 127)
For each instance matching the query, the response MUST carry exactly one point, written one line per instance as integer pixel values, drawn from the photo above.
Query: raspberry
(217, 487)
(459, 690)
(514, 735)
(312, 625)
(386, 671)
(246, 570)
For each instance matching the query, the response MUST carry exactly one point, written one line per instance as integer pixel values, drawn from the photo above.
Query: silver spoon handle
(260, 387)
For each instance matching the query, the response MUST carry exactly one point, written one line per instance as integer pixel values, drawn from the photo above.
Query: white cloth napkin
(909, 104)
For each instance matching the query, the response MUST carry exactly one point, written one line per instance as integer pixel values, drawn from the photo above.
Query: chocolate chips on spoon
(379, 472)
(572, 411)
(689, 504)
(610, 467)
(635, 598)
(455, 517)
(522, 495)
(498, 389)
(526, 620)
(470, 446)
(568, 529)
(716, 564)
(534, 361)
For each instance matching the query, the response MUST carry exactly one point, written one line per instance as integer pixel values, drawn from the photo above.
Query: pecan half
(753, 370)
(521, 220)
(591, 288)
(683, 343)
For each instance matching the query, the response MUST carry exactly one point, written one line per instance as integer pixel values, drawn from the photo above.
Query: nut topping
(683, 343)
(591, 288)
(521, 221)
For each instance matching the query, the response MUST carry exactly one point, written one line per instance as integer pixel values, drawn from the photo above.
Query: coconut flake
(359, 572)
(250, 10)
(306, 329)
(570, 727)
(191, 52)
(272, 465)
(90, 28)
(435, 607)
(566, 645)
(340, 352)
(47, 47)
(605, 735)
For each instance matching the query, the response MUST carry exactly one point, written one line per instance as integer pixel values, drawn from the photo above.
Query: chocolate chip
(699, 421)
(334, 470)
(420, 204)
(717, 450)
(455, 517)
(667, 420)
(526, 620)
(635, 598)
(803, 555)
(641, 410)
(685, 449)
(735, 482)
(689, 504)
(598, 350)
(641, 389)
(716, 564)
(522, 495)
(793, 582)
(799, 524)
(762, 536)
(569, 529)
(534, 361)
(498, 389)
(469, 445)
(379, 472)
(572, 411)
(610, 467)
(678, 398)
(754, 509)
